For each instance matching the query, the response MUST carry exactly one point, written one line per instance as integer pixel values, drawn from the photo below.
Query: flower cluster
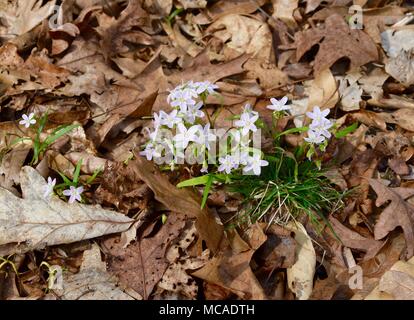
(240, 157)
(319, 128)
(175, 132)
(181, 134)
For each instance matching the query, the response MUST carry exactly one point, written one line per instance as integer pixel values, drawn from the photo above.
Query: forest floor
(324, 210)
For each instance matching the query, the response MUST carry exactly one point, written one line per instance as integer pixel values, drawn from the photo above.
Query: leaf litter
(107, 66)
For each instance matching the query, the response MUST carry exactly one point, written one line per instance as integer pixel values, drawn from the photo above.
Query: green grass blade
(77, 172)
(207, 190)
(342, 133)
(59, 132)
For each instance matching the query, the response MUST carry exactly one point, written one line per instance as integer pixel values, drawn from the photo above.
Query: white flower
(227, 164)
(182, 100)
(278, 105)
(317, 115)
(171, 119)
(185, 136)
(73, 193)
(48, 189)
(248, 109)
(194, 112)
(246, 122)
(255, 164)
(28, 120)
(314, 137)
(150, 152)
(201, 87)
(321, 127)
(158, 119)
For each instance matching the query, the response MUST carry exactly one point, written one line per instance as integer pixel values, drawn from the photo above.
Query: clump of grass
(286, 190)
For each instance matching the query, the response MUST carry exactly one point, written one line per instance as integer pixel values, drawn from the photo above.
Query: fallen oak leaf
(203, 70)
(124, 29)
(395, 284)
(402, 117)
(142, 264)
(398, 213)
(176, 279)
(336, 40)
(244, 35)
(354, 240)
(32, 222)
(22, 16)
(230, 268)
(92, 282)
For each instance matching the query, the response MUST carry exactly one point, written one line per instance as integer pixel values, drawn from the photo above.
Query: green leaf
(342, 133)
(207, 190)
(194, 181)
(66, 179)
(171, 17)
(95, 174)
(77, 172)
(42, 123)
(59, 132)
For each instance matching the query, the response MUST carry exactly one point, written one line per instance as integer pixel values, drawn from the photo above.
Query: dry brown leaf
(176, 278)
(396, 284)
(377, 19)
(362, 168)
(399, 213)
(22, 16)
(266, 74)
(230, 268)
(115, 32)
(142, 264)
(336, 40)
(354, 240)
(399, 166)
(402, 117)
(300, 275)
(284, 9)
(11, 164)
(224, 7)
(370, 119)
(92, 282)
(399, 45)
(245, 35)
(401, 67)
(323, 91)
(122, 188)
(33, 222)
(193, 4)
(202, 69)
(278, 251)
(161, 7)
